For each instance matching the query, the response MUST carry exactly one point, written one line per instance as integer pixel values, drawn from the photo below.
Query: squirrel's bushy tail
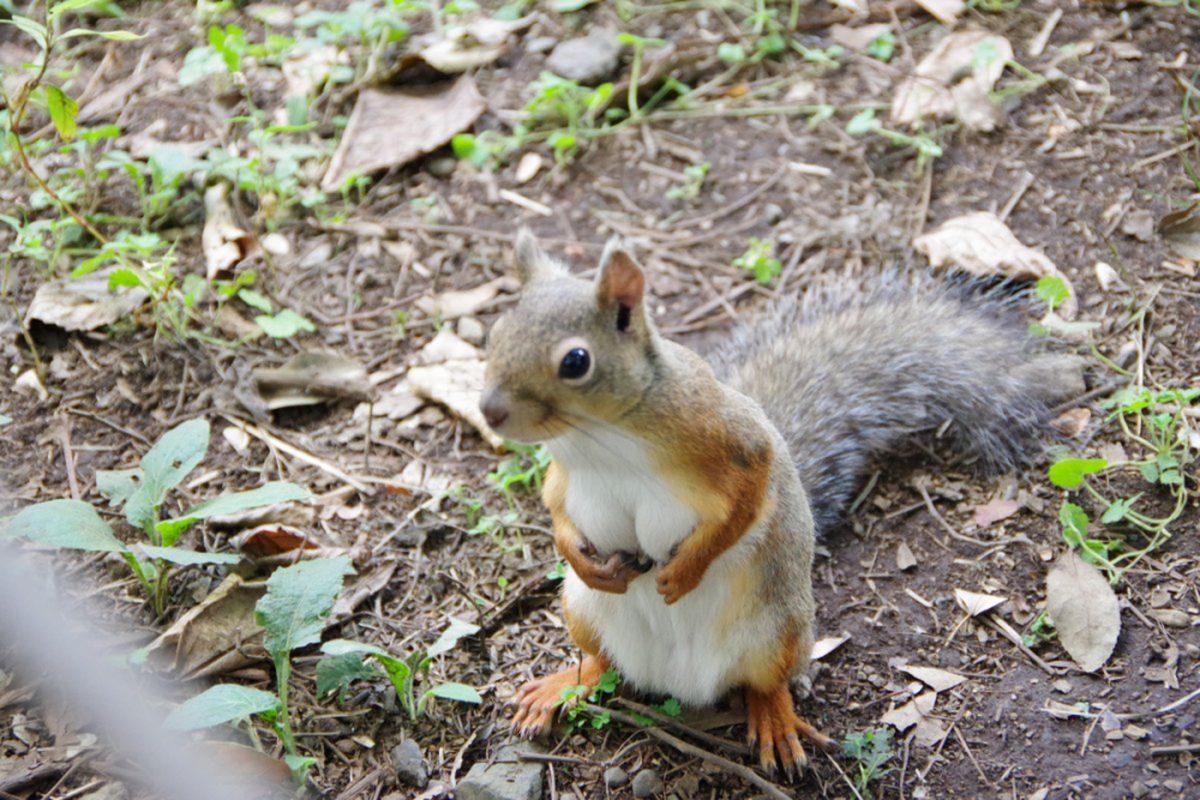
(848, 375)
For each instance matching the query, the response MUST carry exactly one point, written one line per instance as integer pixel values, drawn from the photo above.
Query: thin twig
(687, 748)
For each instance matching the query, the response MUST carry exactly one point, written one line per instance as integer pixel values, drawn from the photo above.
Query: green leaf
(1069, 472)
(123, 277)
(70, 524)
(336, 673)
(224, 702)
(164, 466)
(456, 691)
(58, 9)
(284, 325)
(1149, 472)
(255, 300)
(449, 638)
(1117, 510)
(862, 123)
(567, 6)
(1052, 290)
(266, 495)
(731, 53)
(117, 484)
(300, 767)
(1075, 524)
(670, 707)
(28, 26)
(299, 599)
(62, 108)
(187, 558)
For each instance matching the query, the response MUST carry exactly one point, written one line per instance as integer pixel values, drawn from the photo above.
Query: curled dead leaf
(910, 713)
(955, 81)
(311, 378)
(1084, 610)
(214, 636)
(224, 243)
(84, 304)
(824, 647)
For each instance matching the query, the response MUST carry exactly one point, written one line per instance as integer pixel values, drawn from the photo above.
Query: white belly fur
(689, 649)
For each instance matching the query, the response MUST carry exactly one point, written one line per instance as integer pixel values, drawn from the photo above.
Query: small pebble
(409, 763)
(540, 44)
(615, 777)
(441, 167)
(646, 784)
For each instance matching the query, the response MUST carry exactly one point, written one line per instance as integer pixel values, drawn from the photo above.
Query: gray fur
(848, 375)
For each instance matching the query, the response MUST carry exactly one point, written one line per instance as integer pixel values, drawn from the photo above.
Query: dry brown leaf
(993, 511)
(975, 603)
(448, 346)
(1072, 422)
(857, 38)
(944, 11)
(981, 244)
(475, 44)
(464, 302)
(1084, 610)
(905, 560)
(84, 304)
(937, 679)
(225, 245)
(270, 540)
(910, 713)
(1181, 231)
(939, 90)
(391, 128)
(457, 385)
(929, 732)
(213, 636)
(824, 647)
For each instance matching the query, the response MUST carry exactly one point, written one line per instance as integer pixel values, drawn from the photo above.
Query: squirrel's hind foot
(539, 701)
(775, 728)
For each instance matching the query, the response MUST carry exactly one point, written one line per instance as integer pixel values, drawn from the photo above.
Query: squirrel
(687, 496)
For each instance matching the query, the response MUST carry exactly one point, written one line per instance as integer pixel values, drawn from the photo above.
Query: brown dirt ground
(1087, 144)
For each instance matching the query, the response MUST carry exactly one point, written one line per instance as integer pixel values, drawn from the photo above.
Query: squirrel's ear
(620, 280)
(532, 264)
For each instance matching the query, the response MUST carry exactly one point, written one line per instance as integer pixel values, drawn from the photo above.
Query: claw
(540, 701)
(776, 730)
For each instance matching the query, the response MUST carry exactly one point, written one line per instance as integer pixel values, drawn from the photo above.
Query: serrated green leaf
(62, 109)
(187, 558)
(299, 599)
(1069, 472)
(456, 691)
(222, 703)
(1117, 510)
(456, 630)
(70, 524)
(336, 673)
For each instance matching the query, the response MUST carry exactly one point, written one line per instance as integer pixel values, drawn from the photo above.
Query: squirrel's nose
(494, 409)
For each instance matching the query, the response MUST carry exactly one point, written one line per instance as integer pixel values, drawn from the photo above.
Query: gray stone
(540, 44)
(615, 777)
(504, 777)
(646, 784)
(590, 59)
(471, 330)
(409, 763)
(441, 167)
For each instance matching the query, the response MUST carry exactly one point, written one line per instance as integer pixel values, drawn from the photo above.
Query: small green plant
(865, 122)
(298, 601)
(576, 699)
(690, 189)
(524, 469)
(1039, 631)
(282, 325)
(639, 45)
(142, 493)
(486, 150)
(347, 661)
(1156, 422)
(870, 751)
(759, 259)
(564, 113)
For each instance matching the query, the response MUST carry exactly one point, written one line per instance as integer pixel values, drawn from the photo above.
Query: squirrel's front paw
(612, 574)
(678, 578)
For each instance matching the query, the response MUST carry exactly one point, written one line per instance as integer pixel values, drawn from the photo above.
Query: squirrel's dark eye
(575, 364)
